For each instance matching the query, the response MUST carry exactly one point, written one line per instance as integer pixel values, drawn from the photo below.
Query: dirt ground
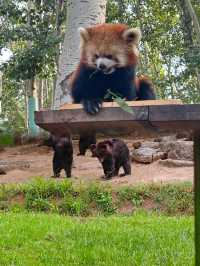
(84, 168)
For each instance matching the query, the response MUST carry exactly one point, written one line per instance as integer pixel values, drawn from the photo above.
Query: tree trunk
(33, 129)
(191, 24)
(194, 19)
(40, 89)
(79, 14)
(1, 87)
(59, 5)
(26, 103)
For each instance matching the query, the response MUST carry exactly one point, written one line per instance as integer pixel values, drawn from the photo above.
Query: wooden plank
(130, 103)
(197, 196)
(185, 116)
(114, 119)
(109, 120)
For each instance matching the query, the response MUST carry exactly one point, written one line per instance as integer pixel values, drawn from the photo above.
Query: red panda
(109, 56)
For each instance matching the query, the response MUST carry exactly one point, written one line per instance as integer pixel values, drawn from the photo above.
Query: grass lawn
(53, 240)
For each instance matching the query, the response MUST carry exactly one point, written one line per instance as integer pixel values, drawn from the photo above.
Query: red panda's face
(109, 46)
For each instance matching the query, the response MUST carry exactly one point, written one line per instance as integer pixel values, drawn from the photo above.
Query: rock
(176, 163)
(178, 150)
(159, 155)
(147, 155)
(136, 144)
(184, 135)
(6, 166)
(151, 144)
(165, 138)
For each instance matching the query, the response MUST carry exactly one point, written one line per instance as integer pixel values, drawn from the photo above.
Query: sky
(5, 55)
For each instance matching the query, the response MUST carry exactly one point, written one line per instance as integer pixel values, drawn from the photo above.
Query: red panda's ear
(132, 35)
(83, 34)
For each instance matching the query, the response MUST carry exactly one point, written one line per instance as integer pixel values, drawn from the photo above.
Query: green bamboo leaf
(120, 101)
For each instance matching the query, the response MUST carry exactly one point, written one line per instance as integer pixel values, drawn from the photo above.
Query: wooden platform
(130, 103)
(147, 115)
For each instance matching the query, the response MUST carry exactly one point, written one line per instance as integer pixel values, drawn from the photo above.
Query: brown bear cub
(63, 154)
(112, 154)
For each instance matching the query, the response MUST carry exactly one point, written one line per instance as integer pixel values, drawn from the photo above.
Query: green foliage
(47, 189)
(168, 54)
(102, 197)
(73, 206)
(6, 139)
(175, 199)
(13, 108)
(38, 204)
(39, 239)
(39, 194)
(104, 202)
(31, 30)
(120, 101)
(33, 33)
(94, 199)
(7, 192)
(170, 198)
(4, 205)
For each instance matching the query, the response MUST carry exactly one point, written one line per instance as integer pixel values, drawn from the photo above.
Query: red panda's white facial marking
(106, 47)
(106, 65)
(96, 57)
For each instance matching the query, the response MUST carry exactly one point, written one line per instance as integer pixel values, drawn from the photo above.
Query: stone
(176, 163)
(165, 138)
(147, 155)
(136, 144)
(6, 166)
(184, 135)
(151, 144)
(178, 150)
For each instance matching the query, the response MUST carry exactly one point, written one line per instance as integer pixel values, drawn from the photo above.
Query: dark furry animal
(112, 154)
(84, 143)
(63, 154)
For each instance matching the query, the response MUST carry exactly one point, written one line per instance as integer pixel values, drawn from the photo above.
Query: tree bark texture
(80, 13)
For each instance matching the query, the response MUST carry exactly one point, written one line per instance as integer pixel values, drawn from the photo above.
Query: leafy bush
(102, 197)
(6, 139)
(44, 189)
(38, 204)
(73, 206)
(92, 199)
(4, 205)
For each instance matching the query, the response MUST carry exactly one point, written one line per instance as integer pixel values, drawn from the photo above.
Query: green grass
(49, 239)
(92, 199)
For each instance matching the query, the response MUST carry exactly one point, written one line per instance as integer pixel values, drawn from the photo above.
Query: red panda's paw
(92, 107)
